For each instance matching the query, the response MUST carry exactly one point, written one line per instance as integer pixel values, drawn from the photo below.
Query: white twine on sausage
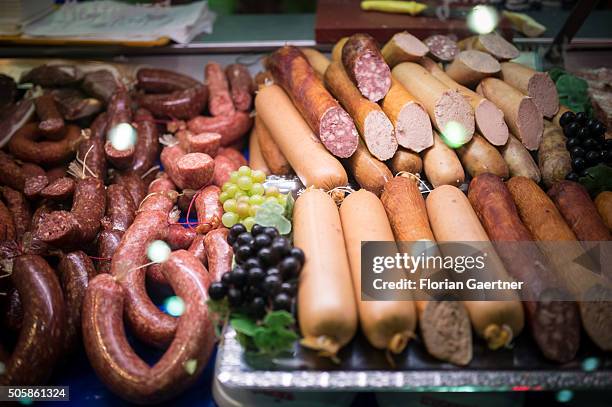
(168, 140)
(417, 177)
(335, 193)
(149, 171)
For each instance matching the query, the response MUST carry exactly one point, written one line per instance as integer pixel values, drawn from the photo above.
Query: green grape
(248, 223)
(244, 198)
(232, 190)
(224, 196)
(257, 189)
(272, 191)
(229, 219)
(254, 209)
(230, 205)
(244, 170)
(271, 199)
(282, 200)
(239, 193)
(258, 176)
(256, 199)
(243, 209)
(234, 176)
(226, 185)
(244, 182)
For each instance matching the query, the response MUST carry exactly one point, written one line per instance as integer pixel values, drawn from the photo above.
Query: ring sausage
(219, 253)
(219, 99)
(181, 104)
(209, 209)
(25, 145)
(231, 127)
(241, 85)
(155, 80)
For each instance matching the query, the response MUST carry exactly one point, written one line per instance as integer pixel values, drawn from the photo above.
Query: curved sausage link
(41, 338)
(112, 357)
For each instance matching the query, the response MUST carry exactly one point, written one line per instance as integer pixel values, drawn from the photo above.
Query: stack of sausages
(80, 207)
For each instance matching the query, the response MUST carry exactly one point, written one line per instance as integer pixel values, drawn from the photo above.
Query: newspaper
(111, 20)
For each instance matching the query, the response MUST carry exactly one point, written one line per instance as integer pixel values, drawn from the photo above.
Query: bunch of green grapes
(242, 195)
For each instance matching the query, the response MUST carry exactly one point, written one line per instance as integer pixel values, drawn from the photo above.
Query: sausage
(51, 123)
(452, 219)
(219, 99)
(113, 358)
(7, 225)
(134, 184)
(51, 76)
(537, 85)
(207, 143)
(106, 244)
(479, 157)
(218, 252)
(119, 109)
(555, 325)
(81, 224)
(75, 105)
(491, 43)
(327, 119)
(8, 91)
(317, 60)
(327, 313)
(370, 173)
(148, 323)
(470, 67)
(271, 154)
(41, 337)
(100, 84)
(445, 325)
(443, 105)
(546, 224)
(11, 173)
(59, 190)
(30, 243)
(179, 237)
(441, 47)
(489, 119)
(366, 66)
(198, 249)
(403, 47)
(336, 54)
(241, 85)
(580, 213)
(406, 161)
(519, 160)
(231, 127)
(181, 104)
(209, 209)
(554, 160)
(155, 80)
(373, 125)
(91, 150)
(195, 170)
(19, 208)
(120, 210)
(234, 155)
(146, 150)
(263, 78)
(13, 313)
(31, 170)
(25, 145)
(409, 118)
(441, 164)
(387, 325)
(256, 158)
(75, 269)
(520, 112)
(312, 163)
(603, 202)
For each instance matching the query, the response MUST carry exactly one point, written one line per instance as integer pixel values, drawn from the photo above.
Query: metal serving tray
(363, 368)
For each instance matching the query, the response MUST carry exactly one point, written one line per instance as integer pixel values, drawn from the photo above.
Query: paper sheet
(111, 20)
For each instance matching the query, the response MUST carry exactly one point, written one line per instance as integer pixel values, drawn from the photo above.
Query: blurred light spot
(454, 135)
(482, 19)
(122, 136)
(26, 401)
(158, 251)
(190, 366)
(174, 306)
(590, 364)
(563, 396)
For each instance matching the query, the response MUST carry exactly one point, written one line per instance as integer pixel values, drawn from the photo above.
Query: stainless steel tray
(363, 368)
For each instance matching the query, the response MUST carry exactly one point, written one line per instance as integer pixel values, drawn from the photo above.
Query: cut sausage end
(378, 135)
(544, 93)
(553, 322)
(480, 61)
(454, 117)
(447, 333)
(410, 44)
(373, 76)
(195, 169)
(530, 124)
(59, 228)
(338, 133)
(498, 46)
(413, 129)
(490, 122)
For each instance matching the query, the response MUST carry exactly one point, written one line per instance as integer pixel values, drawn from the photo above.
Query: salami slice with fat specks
(442, 48)
(366, 66)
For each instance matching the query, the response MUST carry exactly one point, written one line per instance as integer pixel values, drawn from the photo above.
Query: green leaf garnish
(278, 319)
(244, 325)
(597, 179)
